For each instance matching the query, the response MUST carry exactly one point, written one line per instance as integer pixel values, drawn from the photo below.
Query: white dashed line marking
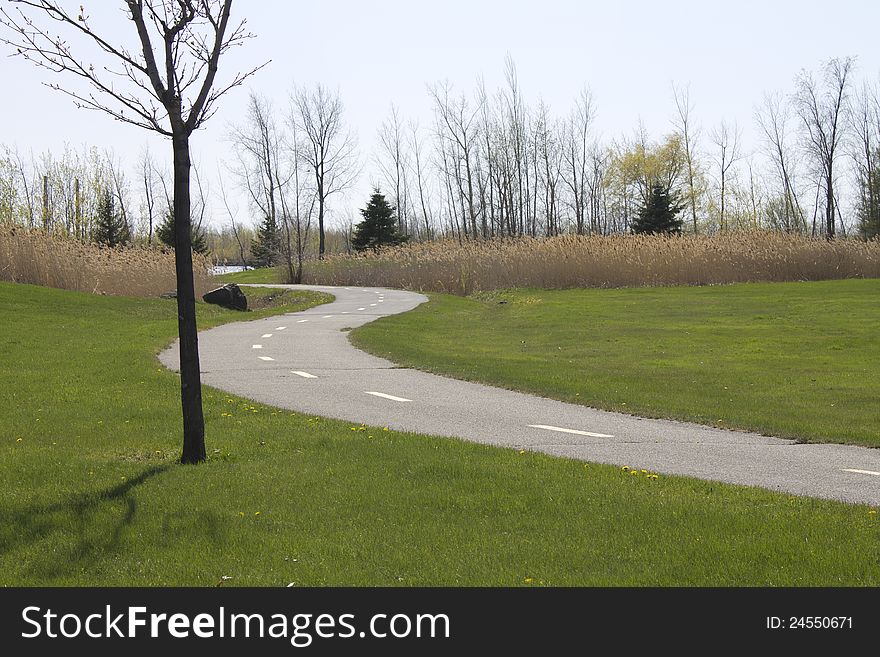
(280, 328)
(304, 375)
(384, 396)
(266, 335)
(258, 346)
(328, 317)
(574, 431)
(345, 312)
(864, 472)
(266, 358)
(373, 305)
(302, 321)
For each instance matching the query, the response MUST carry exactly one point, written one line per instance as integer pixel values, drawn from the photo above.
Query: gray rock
(229, 296)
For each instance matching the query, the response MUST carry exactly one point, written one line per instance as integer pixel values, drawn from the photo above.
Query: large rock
(229, 296)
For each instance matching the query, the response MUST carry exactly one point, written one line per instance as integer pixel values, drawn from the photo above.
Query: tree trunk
(190, 376)
(321, 244)
(829, 205)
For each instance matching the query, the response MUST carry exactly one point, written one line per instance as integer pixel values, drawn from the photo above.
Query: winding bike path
(304, 362)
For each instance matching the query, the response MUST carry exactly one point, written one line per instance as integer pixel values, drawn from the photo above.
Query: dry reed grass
(40, 259)
(616, 261)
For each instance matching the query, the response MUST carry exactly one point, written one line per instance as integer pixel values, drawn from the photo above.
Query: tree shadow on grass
(68, 536)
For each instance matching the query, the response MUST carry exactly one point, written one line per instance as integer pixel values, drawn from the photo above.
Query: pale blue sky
(375, 53)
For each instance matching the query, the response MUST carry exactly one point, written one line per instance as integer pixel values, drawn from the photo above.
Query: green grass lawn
(796, 360)
(264, 275)
(92, 493)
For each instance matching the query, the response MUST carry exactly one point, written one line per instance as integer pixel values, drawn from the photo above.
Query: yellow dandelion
(872, 512)
(521, 452)
(528, 580)
(625, 468)
(644, 472)
(241, 514)
(19, 440)
(258, 513)
(634, 472)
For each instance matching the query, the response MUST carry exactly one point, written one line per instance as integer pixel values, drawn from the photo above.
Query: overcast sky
(376, 53)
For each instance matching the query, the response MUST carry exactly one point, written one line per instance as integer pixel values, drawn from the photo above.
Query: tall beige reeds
(34, 257)
(615, 261)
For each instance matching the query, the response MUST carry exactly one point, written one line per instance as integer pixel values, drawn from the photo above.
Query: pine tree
(379, 227)
(659, 215)
(266, 247)
(165, 233)
(110, 228)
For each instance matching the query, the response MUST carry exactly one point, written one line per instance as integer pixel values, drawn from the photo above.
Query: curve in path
(304, 362)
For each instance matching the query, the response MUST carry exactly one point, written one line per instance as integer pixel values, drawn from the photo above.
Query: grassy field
(798, 360)
(265, 275)
(93, 495)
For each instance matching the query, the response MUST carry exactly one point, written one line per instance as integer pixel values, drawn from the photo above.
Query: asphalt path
(304, 362)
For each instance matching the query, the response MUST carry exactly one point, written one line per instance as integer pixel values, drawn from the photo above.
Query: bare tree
(773, 118)
(147, 173)
(167, 87)
(823, 111)
(328, 147)
(421, 183)
(232, 212)
(393, 161)
(690, 136)
(457, 132)
(576, 157)
(119, 184)
(866, 157)
(727, 140)
(262, 172)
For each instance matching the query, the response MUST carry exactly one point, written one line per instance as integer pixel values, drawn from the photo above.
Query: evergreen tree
(266, 247)
(379, 227)
(110, 228)
(659, 215)
(165, 233)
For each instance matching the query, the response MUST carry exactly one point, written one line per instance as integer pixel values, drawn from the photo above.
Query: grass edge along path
(92, 493)
(793, 360)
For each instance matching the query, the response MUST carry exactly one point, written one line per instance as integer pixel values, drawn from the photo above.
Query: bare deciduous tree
(727, 140)
(393, 161)
(823, 112)
(167, 87)
(328, 147)
(690, 136)
(772, 119)
(147, 173)
(576, 158)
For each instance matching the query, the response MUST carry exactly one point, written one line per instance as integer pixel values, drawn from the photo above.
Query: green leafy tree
(165, 233)
(379, 227)
(110, 228)
(266, 247)
(659, 215)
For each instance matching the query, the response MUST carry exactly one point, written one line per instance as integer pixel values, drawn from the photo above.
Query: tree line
(489, 165)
